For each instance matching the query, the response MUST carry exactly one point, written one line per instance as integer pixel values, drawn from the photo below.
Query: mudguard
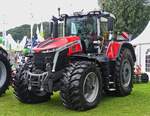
(115, 47)
(101, 58)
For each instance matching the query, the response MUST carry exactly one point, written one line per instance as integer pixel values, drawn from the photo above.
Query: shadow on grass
(55, 105)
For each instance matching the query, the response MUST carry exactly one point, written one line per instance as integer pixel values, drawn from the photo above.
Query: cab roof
(91, 13)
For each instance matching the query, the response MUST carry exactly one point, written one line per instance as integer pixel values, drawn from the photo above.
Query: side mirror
(110, 24)
(55, 27)
(51, 25)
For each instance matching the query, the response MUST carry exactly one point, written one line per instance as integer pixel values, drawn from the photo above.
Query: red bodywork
(58, 43)
(113, 49)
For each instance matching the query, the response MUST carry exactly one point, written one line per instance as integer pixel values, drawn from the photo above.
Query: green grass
(136, 104)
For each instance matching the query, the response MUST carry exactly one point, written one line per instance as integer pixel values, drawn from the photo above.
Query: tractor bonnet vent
(41, 59)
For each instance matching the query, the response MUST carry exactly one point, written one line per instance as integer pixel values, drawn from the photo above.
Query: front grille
(40, 59)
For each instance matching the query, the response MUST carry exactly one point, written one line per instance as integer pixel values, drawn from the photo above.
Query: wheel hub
(91, 87)
(3, 73)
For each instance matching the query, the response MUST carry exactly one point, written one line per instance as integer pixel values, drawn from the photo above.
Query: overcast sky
(17, 12)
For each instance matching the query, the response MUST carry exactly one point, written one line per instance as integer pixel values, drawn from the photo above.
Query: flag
(37, 31)
(41, 33)
(37, 38)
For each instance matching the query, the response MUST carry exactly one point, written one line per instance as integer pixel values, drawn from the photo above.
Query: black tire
(144, 78)
(72, 93)
(124, 62)
(5, 72)
(23, 94)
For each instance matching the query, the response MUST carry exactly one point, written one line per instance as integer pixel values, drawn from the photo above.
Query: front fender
(101, 58)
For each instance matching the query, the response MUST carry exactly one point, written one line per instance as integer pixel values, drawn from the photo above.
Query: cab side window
(103, 26)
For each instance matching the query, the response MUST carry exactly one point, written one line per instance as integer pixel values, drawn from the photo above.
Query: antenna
(59, 12)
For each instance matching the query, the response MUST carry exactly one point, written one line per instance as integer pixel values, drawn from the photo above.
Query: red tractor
(82, 64)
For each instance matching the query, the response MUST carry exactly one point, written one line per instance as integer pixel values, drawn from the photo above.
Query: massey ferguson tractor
(5, 71)
(82, 61)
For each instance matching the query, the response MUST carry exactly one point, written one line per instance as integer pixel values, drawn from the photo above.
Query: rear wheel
(24, 94)
(82, 86)
(124, 72)
(5, 72)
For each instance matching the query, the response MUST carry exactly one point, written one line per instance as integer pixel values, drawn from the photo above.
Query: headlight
(48, 51)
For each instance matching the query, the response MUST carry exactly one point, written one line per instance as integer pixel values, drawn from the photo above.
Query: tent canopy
(144, 37)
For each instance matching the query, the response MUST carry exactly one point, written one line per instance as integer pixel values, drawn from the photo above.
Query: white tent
(23, 42)
(142, 49)
(144, 37)
(10, 43)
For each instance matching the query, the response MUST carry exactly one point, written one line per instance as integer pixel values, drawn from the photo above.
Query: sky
(18, 12)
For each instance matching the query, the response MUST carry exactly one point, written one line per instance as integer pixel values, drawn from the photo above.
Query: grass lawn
(136, 104)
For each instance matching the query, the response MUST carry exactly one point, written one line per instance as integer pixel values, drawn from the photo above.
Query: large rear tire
(5, 72)
(124, 72)
(82, 86)
(22, 92)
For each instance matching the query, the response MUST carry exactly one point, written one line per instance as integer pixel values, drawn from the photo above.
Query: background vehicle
(5, 71)
(139, 76)
(81, 64)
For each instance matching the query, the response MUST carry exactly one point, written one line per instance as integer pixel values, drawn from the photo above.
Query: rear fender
(130, 47)
(114, 50)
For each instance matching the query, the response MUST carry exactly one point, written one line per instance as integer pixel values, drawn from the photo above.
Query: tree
(19, 32)
(131, 15)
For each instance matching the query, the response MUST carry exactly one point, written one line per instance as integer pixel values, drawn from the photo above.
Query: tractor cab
(93, 28)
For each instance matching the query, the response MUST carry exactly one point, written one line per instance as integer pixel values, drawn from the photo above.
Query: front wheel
(82, 86)
(22, 92)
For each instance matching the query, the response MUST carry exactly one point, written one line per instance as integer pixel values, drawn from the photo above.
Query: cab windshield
(81, 26)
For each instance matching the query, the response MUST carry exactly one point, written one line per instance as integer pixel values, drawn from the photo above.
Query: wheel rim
(3, 73)
(126, 73)
(90, 87)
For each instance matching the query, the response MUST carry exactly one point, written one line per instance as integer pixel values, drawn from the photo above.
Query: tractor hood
(54, 43)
